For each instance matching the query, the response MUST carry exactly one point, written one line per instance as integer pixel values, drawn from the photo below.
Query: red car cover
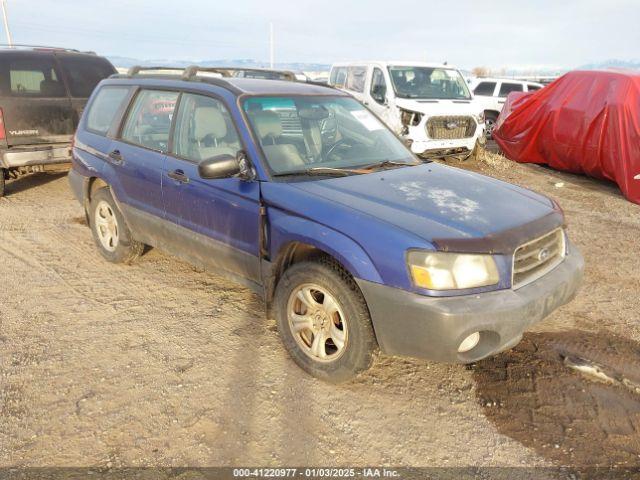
(584, 122)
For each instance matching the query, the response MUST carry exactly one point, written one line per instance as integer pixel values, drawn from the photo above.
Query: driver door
(213, 223)
(377, 98)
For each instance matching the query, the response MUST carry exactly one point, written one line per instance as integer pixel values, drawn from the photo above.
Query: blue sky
(468, 33)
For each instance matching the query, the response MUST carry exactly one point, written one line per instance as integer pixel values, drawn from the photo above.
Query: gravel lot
(161, 364)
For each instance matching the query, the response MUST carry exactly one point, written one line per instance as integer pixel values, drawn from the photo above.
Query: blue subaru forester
(300, 192)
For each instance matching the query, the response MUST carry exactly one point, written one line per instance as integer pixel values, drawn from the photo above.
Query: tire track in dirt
(533, 397)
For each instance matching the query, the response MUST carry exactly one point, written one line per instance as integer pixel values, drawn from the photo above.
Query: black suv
(42, 94)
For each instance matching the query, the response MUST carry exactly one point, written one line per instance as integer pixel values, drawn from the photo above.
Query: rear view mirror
(313, 113)
(220, 166)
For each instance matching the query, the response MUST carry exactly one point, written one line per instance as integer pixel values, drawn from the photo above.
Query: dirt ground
(161, 364)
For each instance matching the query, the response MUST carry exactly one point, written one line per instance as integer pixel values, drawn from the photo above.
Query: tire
(329, 286)
(110, 232)
(490, 119)
(2, 181)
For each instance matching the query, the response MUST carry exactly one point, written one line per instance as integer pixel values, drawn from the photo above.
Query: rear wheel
(324, 321)
(110, 232)
(490, 120)
(3, 174)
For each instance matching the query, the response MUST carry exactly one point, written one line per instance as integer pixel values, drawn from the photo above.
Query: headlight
(480, 117)
(410, 118)
(450, 271)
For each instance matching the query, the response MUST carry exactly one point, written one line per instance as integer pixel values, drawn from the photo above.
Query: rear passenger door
(215, 222)
(137, 156)
(34, 99)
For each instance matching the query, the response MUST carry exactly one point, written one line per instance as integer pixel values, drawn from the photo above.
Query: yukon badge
(16, 133)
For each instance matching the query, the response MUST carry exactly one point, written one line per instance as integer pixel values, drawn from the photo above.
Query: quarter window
(149, 120)
(485, 88)
(378, 86)
(104, 107)
(204, 129)
(532, 88)
(507, 88)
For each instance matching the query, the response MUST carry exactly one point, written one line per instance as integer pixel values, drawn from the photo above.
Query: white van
(429, 105)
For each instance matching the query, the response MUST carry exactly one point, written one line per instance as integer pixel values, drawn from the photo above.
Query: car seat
(281, 156)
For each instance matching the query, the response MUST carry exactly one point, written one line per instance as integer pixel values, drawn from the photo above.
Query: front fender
(286, 228)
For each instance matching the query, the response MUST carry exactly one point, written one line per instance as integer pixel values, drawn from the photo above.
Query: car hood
(448, 207)
(440, 107)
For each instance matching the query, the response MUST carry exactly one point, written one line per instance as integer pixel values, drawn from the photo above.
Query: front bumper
(35, 155)
(421, 144)
(415, 325)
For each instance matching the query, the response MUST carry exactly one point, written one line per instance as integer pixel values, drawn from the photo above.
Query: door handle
(178, 176)
(116, 157)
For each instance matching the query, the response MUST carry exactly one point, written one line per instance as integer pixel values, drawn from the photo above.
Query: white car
(429, 105)
(491, 93)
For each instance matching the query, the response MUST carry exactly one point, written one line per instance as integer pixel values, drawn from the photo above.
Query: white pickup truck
(491, 93)
(429, 105)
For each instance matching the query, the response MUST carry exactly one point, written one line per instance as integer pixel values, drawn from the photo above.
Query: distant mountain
(125, 62)
(612, 63)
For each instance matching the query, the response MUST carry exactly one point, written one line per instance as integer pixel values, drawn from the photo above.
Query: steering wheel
(340, 143)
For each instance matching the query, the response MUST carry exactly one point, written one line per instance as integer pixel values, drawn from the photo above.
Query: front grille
(450, 128)
(538, 257)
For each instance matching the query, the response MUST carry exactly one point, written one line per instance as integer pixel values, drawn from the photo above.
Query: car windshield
(322, 133)
(429, 83)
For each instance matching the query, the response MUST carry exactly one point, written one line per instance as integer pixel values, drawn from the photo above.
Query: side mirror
(220, 166)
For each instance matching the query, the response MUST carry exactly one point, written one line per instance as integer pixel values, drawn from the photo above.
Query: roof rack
(187, 73)
(43, 47)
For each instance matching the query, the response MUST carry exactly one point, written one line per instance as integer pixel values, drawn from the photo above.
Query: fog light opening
(469, 343)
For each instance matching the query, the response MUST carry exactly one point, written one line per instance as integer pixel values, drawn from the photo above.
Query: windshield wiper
(338, 172)
(389, 163)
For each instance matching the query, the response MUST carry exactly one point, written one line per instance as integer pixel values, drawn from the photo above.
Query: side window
(84, 73)
(104, 107)
(149, 119)
(507, 88)
(204, 129)
(378, 86)
(485, 88)
(355, 78)
(35, 77)
(532, 88)
(339, 76)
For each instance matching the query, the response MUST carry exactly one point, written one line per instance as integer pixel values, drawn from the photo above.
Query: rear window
(33, 77)
(104, 107)
(84, 73)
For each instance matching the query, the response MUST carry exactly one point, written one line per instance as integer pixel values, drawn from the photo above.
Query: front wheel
(324, 321)
(110, 232)
(490, 123)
